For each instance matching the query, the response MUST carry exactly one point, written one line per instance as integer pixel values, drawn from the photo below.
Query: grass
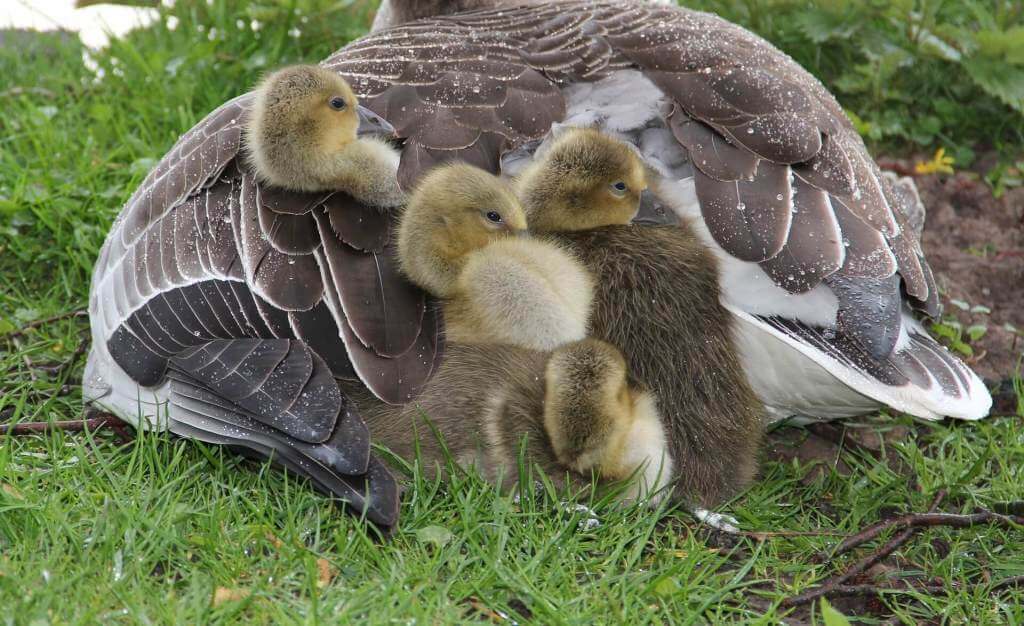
(95, 531)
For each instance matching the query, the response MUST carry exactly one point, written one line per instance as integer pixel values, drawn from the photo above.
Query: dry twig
(762, 535)
(921, 520)
(908, 526)
(931, 588)
(43, 322)
(101, 421)
(831, 585)
(869, 533)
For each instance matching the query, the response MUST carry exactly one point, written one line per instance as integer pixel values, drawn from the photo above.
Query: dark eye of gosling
(619, 186)
(337, 103)
(494, 216)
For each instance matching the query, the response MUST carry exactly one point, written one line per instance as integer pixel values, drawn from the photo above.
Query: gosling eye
(619, 188)
(494, 217)
(337, 103)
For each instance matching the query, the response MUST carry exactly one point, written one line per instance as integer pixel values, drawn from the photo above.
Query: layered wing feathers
(201, 224)
(782, 177)
(759, 129)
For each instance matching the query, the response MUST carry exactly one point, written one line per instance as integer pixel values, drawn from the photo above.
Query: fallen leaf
(274, 541)
(666, 587)
(326, 573)
(832, 617)
(939, 164)
(436, 535)
(224, 594)
(12, 491)
(478, 605)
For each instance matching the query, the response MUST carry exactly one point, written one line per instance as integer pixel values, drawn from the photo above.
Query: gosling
(657, 300)
(302, 136)
(572, 413)
(463, 238)
(584, 180)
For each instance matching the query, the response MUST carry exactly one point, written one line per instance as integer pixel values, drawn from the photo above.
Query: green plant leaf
(831, 616)
(976, 331)
(821, 26)
(944, 330)
(963, 348)
(666, 587)
(998, 79)
(1007, 45)
(437, 535)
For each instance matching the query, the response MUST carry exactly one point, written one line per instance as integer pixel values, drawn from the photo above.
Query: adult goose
(224, 309)
(820, 255)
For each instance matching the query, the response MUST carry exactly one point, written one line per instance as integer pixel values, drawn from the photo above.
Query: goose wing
(317, 267)
(782, 178)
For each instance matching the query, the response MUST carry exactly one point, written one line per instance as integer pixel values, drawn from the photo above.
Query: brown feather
(657, 301)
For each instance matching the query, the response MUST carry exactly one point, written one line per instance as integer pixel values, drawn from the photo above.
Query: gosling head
(589, 403)
(586, 179)
(454, 210)
(301, 112)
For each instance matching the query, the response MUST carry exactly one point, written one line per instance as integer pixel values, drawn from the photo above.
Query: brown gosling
(585, 179)
(657, 300)
(302, 136)
(571, 412)
(462, 238)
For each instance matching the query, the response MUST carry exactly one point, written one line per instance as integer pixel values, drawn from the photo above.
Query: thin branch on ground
(830, 585)
(101, 421)
(902, 587)
(43, 322)
(761, 535)
(56, 369)
(31, 428)
(874, 530)
(920, 520)
(908, 526)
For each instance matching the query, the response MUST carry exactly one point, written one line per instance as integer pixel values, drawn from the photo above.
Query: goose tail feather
(919, 376)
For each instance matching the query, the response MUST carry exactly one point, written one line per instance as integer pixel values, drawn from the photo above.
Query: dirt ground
(974, 243)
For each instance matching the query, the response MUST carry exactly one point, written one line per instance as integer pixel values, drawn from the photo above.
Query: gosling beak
(521, 233)
(372, 124)
(652, 212)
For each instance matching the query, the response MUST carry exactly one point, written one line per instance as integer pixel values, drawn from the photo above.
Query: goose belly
(791, 384)
(107, 386)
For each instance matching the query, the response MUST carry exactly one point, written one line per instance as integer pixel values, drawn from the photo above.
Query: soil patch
(974, 243)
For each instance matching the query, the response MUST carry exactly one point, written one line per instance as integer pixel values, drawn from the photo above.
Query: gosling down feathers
(656, 299)
(462, 238)
(571, 413)
(585, 179)
(302, 136)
